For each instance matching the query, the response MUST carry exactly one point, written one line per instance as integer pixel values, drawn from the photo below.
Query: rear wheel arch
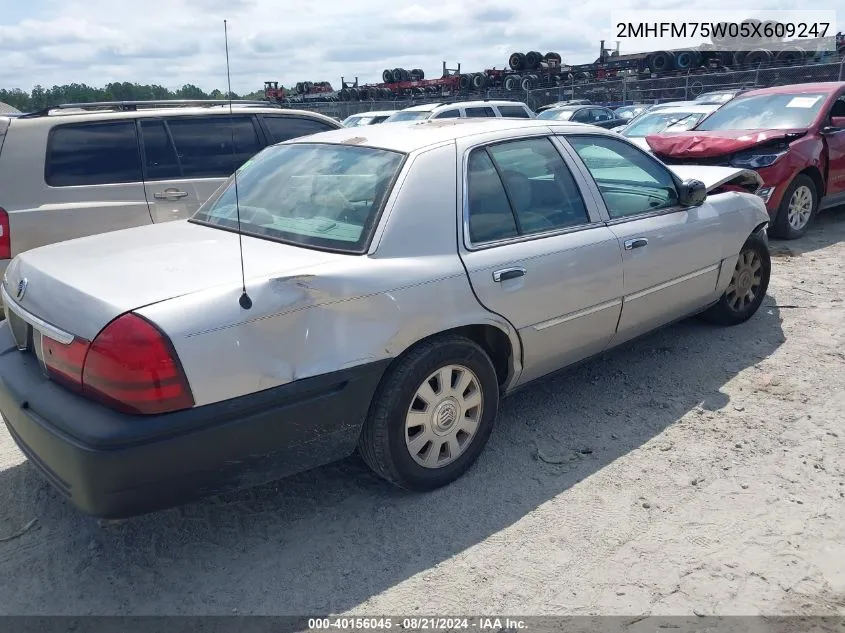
(495, 341)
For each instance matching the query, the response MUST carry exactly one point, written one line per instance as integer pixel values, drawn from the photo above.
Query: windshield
(320, 195)
(656, 122)
(354, 121)
(766, 112)
(558, 115)
(413, 115)
(629, 112)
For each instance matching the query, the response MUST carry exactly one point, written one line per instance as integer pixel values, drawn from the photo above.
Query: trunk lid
(708, 144)
(80, 285)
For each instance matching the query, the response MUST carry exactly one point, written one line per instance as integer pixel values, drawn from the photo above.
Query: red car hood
(700, 144)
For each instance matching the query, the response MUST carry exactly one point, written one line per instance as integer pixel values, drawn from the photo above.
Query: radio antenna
(245, 301)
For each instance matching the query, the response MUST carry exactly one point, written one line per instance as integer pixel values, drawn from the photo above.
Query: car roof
(827, 87)
(407, 137)
(76, 115)
(428, 107)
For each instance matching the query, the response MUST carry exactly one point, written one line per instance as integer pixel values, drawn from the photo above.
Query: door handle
(508, 273)
(167, 194)
(637, 242)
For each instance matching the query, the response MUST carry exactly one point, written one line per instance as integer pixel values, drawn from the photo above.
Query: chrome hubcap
(443, 417)
(745, 282)
(800, 207)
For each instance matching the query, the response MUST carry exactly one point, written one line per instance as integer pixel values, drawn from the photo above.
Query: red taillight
(131, 366)
(5, 236)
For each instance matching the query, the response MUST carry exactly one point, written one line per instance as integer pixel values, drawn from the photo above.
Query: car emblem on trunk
(22, 284)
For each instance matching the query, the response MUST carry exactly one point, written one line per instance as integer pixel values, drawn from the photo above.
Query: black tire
(479, 81)
(465, 82)
(731, 310)
(516, 61)
(387, 76)
(382, 443)
(512, 82)
(781, 227)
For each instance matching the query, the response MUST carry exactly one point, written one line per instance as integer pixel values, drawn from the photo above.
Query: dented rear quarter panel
(410, 285)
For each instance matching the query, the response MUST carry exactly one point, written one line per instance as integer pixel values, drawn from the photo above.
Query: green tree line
(41, 97)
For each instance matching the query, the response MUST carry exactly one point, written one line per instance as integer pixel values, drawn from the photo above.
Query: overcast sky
(173, 42)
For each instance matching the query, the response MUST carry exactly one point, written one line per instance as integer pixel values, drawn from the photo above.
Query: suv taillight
(131, 367)
(5, 236)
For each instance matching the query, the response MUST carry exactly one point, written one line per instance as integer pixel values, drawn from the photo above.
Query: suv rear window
(517, 112)
(318, 195)
(283, 128)
(204, 144)
(93, 154)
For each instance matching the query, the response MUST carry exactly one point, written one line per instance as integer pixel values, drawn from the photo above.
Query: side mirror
(837, 124)
(692, 193)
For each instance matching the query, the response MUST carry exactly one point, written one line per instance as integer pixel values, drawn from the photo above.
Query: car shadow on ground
(329, 539)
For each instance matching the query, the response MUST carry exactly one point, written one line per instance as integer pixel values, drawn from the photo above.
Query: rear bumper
(91, 455)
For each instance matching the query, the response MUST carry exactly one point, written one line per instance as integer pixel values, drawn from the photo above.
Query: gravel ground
(697, 471)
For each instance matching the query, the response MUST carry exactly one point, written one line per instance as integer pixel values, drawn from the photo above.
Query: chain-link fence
(627, 90)
(611, 91)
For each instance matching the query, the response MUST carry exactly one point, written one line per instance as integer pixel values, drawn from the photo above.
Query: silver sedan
(375, 288)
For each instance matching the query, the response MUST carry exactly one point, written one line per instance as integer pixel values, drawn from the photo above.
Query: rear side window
(160, 161)
(284, 128)
(448, 114)
(514, 112)
(479, 112)
(93, 154)
(204, 144)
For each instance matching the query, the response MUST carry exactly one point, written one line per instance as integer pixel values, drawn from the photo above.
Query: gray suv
(80, 169)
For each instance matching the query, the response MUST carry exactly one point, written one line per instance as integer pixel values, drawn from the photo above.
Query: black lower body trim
(219, 447)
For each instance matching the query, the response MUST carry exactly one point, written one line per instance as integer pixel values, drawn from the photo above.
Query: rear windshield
(315, 195)
(656, 122)
(559, 115)
(413, 115)
(766, 112)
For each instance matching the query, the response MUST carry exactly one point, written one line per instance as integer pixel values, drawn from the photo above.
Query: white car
(464, 109)
(368, 118)
(666, 119)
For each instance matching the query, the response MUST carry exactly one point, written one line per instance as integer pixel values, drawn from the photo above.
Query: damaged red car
(792, 136)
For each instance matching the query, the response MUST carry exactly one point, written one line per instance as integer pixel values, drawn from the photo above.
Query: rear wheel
(799, 205)
(432, 415)
(748, 285)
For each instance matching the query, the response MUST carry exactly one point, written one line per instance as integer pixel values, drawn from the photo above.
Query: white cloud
(173, 42)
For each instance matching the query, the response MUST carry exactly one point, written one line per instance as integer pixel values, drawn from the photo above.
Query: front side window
(93, 154)
(479, 112)
(766, 112)
(514, 112)
(284, 128)
(312, 195)
(630, 182)
(204, 144)
(521, 188)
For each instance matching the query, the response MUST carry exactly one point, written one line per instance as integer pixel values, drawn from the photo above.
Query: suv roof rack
(130, 106)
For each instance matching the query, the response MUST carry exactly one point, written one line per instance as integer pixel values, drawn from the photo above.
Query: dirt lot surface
(697, 471)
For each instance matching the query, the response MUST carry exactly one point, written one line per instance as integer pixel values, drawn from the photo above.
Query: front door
(537, 252)
(835, 142)
(671, 254)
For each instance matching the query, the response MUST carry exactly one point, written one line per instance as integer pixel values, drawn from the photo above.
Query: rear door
(187, 158)
(537, 251)
(671, 254)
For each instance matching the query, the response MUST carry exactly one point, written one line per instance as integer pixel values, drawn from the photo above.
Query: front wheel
(748, 285)
(799, 205)
(432, 415)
